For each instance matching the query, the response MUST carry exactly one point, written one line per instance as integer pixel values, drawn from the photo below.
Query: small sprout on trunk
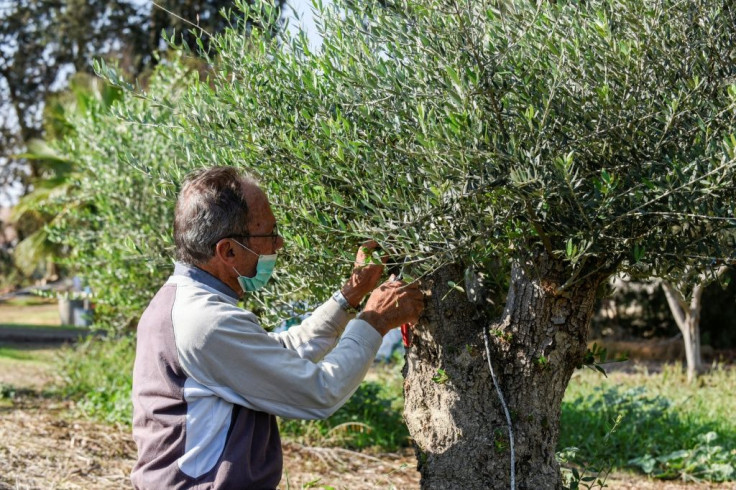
(502, 335)
(441, 377)
(542, 361)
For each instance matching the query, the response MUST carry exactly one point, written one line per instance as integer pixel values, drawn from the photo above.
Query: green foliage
(46, 40)
(10, 276)
(98, 375)
(653, 424)
(55, 194)
(705, 461)
(371, 419)
(500, 441)
(499, 333)
(574, 478)
(120, 239)
(581, 127)
(595, 357)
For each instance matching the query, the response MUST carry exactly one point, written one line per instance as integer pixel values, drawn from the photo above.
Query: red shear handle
(406, 335)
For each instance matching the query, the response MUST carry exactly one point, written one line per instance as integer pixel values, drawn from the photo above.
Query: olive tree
(115, 220)
(552, 144)
(687, 313)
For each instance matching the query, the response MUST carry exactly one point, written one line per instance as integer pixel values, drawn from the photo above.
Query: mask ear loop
(249, 250)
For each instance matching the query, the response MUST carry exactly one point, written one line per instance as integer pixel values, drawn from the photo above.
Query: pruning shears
(405, 328)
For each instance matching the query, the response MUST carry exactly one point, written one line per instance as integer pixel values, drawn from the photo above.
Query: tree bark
(456, 420)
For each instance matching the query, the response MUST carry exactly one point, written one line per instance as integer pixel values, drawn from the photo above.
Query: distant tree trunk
(687, 318)
(457, 422)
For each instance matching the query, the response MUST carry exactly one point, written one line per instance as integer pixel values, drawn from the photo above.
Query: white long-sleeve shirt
(208, 381)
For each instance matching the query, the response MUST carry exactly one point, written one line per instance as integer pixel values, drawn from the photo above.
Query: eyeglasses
(274, 236)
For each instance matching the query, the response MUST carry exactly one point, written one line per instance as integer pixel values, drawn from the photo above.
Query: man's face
(261, 222)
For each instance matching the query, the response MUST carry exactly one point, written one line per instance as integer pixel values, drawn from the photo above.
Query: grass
(372, 419)
(28, 311)
(16, 354)
(28, 353)
(25, 367)
(653, 422)
(97, 373)
(34, 326)
(29, 300)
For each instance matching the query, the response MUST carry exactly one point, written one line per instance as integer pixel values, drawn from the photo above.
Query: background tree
(567, 141)
(54, 193)
(687, 314)
(44, 42)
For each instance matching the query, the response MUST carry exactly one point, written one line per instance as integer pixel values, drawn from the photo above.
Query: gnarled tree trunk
(456, 419)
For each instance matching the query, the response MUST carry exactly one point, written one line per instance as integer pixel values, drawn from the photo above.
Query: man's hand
(392, 304)
(365, 276)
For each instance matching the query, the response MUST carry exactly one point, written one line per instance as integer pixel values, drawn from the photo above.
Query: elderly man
(208, 381)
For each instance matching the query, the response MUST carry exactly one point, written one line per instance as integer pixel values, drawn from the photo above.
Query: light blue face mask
(264, 270)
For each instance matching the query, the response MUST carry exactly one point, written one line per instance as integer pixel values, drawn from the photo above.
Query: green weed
(98, 374)
(706, 461)
(654, 423)
(372, 418)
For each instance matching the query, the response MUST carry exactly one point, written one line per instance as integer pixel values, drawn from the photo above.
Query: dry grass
(43, 448)
(318, 467)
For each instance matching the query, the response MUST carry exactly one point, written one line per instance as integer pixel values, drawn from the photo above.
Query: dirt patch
(349, 470)
(43, 447)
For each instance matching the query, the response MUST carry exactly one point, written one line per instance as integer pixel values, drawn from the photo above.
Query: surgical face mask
(264, 270)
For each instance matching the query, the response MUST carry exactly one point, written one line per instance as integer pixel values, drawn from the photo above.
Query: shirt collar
(197, 274)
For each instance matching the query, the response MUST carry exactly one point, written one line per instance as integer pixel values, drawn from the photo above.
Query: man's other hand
(366, 274)
(393, 304)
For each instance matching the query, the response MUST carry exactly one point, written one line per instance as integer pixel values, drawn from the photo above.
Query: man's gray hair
(211, 206)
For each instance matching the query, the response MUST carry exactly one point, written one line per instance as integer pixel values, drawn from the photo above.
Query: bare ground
(44, 447)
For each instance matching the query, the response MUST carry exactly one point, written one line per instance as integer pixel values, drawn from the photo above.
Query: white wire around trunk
(505, 411)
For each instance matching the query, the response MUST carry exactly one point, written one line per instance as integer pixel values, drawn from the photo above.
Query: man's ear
(224, 251)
